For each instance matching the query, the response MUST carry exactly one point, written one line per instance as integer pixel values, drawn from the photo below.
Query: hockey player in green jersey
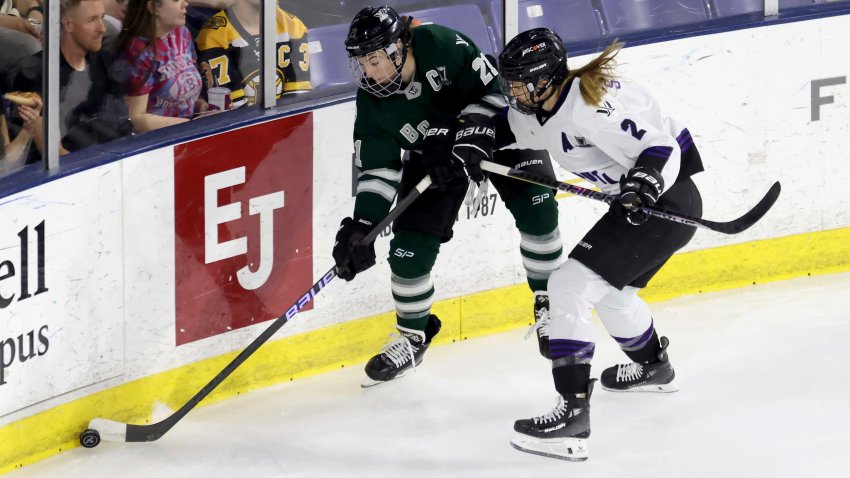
(429, 90)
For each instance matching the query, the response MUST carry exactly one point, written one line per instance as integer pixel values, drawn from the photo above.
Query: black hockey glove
(642, 186)
(350, 255)
(444, 170)
(474, 143)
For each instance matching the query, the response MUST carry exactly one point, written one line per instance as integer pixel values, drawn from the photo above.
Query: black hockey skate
(654, 376)
(561, 433)
(402, 354)
(541, 323)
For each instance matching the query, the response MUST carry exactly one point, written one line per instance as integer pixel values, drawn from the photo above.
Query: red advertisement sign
(243, 226)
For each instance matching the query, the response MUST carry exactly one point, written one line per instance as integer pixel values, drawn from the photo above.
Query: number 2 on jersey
(631, 127)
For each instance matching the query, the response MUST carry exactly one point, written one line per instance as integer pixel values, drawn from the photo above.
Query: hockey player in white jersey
(615, 135)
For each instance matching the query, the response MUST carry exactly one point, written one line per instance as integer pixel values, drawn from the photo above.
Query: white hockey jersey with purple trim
(601, 143)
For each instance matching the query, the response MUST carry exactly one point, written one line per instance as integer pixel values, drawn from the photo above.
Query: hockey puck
(89, 438)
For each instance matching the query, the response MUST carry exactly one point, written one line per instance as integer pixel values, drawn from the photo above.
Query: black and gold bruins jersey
(230, 56)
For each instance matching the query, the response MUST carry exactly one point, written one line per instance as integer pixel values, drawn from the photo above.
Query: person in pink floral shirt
(161, 76)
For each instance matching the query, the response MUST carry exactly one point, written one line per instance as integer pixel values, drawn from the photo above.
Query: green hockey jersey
(452, 75)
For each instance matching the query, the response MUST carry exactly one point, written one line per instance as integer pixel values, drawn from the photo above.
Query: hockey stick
(111, 430)
(731, 227)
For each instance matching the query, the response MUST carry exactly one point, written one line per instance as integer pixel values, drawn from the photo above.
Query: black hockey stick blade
(750, 217)
(112, 430)
(731, 227)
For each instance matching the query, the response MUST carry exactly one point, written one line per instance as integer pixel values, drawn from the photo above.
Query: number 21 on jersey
(484, 68)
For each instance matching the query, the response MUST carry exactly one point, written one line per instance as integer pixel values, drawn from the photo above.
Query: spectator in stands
(18, 37)
(13, 141)
(116, 10)
(91, 107)
(20, 151)
(231, 60)
(10, 154)
(159, 64)
(114, 19)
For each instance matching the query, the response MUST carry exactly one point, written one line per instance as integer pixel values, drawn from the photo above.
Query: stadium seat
(328, 58)
(493, 11)
(465, 18)
(627, 16)
(573, 20)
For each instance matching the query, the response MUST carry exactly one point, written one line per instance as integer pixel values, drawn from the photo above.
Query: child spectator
(159, 64)
(229, 49)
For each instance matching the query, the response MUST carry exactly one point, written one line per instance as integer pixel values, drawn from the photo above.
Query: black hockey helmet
(536, 59)
(378, 29)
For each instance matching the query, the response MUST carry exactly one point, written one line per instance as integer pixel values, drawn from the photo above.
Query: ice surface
(764, 381)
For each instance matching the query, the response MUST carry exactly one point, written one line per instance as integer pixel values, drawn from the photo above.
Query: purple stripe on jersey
(564, 348)
(685, 140)
(658, 152)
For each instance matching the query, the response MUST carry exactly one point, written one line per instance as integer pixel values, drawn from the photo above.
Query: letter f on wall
(214, 214)
(817, 99)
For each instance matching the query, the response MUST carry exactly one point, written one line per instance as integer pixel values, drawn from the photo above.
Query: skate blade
(656, 388)
(368, 382)
(569, 449)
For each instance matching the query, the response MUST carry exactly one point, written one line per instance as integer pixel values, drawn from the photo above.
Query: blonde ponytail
(597, 75)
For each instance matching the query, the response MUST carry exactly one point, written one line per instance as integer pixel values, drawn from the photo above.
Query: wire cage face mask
(519, 95)
(383, 79)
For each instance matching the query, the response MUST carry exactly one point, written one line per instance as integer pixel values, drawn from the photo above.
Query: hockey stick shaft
(122, 432)
(730, 227)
